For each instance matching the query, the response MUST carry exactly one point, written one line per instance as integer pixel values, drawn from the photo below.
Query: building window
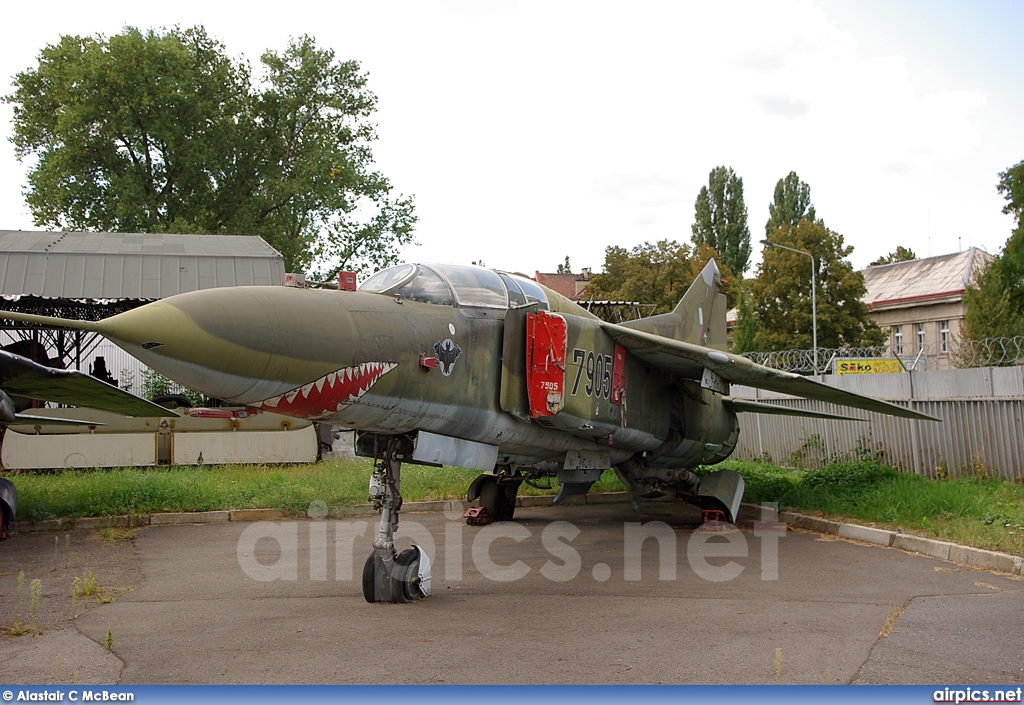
(919, 330)
(897, 339)
(944, 337)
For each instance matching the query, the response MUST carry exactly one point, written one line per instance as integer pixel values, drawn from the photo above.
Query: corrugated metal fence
(981, 433)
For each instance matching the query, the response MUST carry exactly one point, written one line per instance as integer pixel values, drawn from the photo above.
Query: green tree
(993, 309)
(744, 333)
(995, 299)
(127, 131)
(901, 254)
(792, 203)
(781, 293)
(652, 274)
(720, 219)
(1011, 185)
(565, 268)
(163, 132)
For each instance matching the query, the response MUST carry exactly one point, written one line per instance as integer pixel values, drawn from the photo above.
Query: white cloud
(531, 130)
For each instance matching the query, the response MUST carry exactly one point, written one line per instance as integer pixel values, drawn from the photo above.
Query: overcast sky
(528, 131)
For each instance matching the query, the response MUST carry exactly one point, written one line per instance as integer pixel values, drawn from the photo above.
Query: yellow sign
(867, 366)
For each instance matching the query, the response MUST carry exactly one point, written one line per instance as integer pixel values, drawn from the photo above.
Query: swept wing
(690, 360)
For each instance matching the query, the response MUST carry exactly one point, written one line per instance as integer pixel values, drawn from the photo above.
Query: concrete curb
(122, 521)
(867, 534)
(926, 547)
(942, 550)
(218, 517)
(221, 516)
(933, 548)
(255, 515)
(987, 560)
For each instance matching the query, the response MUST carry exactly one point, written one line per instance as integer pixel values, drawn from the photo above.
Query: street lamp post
(814, 297)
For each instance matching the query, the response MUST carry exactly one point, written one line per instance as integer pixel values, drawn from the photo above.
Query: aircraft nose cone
(200, 339)
(241, 344)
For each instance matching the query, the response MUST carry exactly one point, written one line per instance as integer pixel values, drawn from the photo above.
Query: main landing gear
(497, 494)
(389, 576)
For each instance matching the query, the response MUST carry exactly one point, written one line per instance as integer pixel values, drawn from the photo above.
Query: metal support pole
(814, 298)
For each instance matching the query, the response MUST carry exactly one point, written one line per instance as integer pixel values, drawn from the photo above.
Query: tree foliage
(1011, 185)
(781, 293)
(744, 334)
(720, 219)
(995, 299)
(900, 254)
(994, 303)
(791, 204)
(163, 132)
(658, 273)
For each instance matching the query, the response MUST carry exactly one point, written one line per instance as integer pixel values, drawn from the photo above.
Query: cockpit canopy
(451, 284)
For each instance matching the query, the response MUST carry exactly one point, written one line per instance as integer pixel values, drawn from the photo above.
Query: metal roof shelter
(131, 265)
(96, 275)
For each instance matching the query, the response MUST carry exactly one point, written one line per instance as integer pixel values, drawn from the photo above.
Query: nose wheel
(376, 581)
(407, 581)
(389, 576)
(410, 580)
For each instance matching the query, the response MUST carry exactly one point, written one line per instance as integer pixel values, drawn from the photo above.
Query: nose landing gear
(389, 576)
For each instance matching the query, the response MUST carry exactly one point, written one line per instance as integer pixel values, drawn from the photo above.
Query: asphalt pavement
(565, 595)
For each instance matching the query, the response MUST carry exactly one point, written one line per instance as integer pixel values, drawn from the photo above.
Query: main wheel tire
(405, 579)
(376, 582)
(494, 499)
(508, 507)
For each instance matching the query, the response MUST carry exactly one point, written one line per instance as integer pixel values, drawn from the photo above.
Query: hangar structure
(96, 275)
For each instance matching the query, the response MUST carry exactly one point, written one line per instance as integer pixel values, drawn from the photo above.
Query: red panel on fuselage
(545, 363)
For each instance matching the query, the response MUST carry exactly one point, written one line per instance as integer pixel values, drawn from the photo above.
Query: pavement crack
(895, 612)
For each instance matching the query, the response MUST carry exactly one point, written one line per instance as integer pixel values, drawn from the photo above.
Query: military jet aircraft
(22, 377)
(441, 364)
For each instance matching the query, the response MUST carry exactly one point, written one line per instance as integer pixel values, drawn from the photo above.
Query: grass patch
(75, 493)
(983, 512)
(116, 534)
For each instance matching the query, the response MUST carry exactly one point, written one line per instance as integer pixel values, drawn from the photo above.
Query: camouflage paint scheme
(386, 362)
(442, 364)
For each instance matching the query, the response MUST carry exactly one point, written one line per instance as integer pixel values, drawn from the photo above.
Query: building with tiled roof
(571, 286)
(920, 303)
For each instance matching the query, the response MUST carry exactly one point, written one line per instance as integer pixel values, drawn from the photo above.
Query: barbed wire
(989, 352)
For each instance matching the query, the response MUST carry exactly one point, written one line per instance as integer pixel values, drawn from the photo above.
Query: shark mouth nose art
(330, 393)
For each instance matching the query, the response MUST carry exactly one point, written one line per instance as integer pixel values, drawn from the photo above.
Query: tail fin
(698, 318)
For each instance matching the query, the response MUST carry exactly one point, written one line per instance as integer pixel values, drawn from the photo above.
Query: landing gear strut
(389, 576)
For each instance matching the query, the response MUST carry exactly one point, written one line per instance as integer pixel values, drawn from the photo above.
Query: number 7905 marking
(599, 373)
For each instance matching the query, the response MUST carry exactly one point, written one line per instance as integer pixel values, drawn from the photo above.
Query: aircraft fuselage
(391, 365)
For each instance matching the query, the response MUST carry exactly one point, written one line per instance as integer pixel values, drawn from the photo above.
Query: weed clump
(849, 477)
